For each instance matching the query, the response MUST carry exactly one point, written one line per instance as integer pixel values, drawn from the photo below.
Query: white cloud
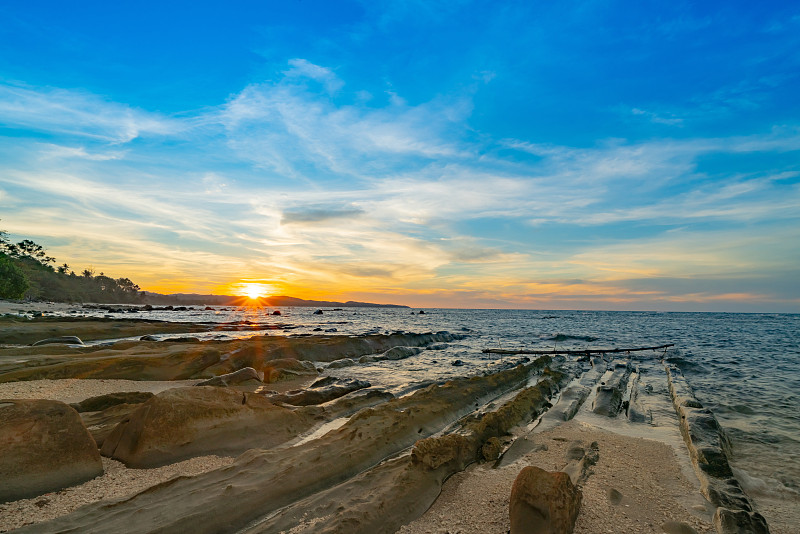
(304, 68)
(78, 113)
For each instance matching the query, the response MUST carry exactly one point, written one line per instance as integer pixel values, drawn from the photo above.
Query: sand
(655, 495)
(116, 483)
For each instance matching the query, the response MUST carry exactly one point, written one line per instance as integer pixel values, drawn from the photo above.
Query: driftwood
(581, 351)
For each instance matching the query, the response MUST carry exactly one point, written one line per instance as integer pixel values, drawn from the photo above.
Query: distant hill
(230, 300)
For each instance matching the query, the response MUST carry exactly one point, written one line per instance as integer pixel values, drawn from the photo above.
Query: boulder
(180, 423)
(338, 364)
(276, 312)
(44, 447)
(543, 502)
(60, 340)
(244, 376)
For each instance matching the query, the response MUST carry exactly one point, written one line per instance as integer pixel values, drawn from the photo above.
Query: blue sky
(597, 155)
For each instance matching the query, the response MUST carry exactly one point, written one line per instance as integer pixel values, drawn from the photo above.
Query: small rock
(457, 363)
(614, 496)
(318, 312)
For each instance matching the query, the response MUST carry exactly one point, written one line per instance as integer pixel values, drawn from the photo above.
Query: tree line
(27, 272)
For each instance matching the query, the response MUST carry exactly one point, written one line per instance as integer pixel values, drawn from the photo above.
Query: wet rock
(194, 421)
(739, 521)
(422, 312)
(60, 340)
(543, 502)
(276, 312)
(708, 446)
(44, 447)
(148, 338)
(319, 395)
(208, 308)
(101, 402)
(457, 363)
(246, 375)
(318, 312)
(399, 353)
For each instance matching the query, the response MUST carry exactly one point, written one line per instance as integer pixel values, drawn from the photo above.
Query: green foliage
(26, 271)
(13, 282)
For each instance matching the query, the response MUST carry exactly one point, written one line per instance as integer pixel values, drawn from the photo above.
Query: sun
(255, 291)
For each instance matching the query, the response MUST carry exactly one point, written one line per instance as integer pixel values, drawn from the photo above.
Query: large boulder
(43, 447)
(194, 421)
(543, 502)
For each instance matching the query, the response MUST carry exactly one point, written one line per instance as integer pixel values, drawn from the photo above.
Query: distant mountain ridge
(230, 300)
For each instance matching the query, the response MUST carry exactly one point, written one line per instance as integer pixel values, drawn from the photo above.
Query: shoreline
(475, 499)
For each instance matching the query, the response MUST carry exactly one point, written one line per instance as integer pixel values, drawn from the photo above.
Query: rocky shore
(257, 435)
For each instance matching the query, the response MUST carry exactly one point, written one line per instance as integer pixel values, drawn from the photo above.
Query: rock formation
(43, 447)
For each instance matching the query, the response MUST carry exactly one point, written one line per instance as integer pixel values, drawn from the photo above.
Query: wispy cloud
(77, 113)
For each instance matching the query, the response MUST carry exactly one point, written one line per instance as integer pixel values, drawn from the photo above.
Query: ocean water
(744, 367)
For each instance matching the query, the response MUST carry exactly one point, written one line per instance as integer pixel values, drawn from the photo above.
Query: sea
(744, 367)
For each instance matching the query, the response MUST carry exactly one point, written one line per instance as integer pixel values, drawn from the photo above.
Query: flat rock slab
(43, 447)
(193, 421)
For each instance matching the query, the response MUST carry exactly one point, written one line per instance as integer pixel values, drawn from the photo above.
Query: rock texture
(708, 448)
(319, 395)
(43, 447)
(244, 376)
(170, 360)
(543, 502)
(608, 400)
(102, 402)
(192, 421)
(262, 481)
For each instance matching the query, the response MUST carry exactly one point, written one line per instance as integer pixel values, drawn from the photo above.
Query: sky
(545, 155)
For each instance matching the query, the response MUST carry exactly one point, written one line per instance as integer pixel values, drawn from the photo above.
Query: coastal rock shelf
(261, 481)
(167, 360)
(708, 447)
(358, 450)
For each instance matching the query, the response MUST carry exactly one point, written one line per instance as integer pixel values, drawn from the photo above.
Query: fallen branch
(582, 351)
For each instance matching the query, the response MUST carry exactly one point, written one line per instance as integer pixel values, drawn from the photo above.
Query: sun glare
(255, 291)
